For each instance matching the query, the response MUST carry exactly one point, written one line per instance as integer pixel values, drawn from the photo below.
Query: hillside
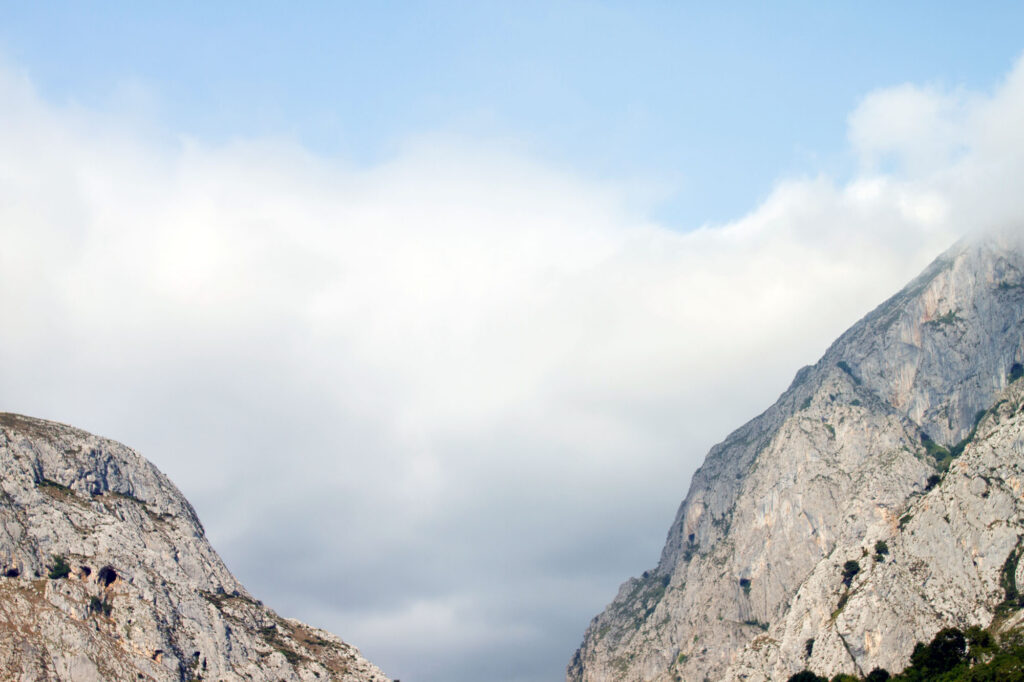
(105, 574)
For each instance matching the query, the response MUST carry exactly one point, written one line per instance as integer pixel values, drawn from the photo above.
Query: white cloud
(917, 129)
(444, 378)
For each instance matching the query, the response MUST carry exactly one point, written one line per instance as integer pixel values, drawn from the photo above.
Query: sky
(432, 309)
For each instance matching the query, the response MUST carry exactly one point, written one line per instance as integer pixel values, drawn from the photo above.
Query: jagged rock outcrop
(751, 577)
(946, 561)
(105, 574)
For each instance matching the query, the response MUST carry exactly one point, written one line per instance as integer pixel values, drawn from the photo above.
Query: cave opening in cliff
(107, 576)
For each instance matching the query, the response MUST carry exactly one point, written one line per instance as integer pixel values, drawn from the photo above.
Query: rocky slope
(750, 581)
(105, 574)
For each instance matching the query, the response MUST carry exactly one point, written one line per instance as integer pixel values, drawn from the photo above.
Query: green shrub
(944, 652)
(981, 641)
(1016, 371)
(881, 550)
(98, 606)
(850, 569)
(940, 454)
(949, 318)
(59, 569)
(947, 658)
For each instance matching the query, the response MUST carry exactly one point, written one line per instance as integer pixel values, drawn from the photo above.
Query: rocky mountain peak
(827, 470)
(106, 574)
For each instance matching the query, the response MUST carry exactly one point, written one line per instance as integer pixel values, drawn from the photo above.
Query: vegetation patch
(644, 598)
(949, 318)
(1016, 372)
(128, 496)
(215, 598)
(230, 604)
(47, 483)
(845, 597)
(290, 655)
(850, 569)
(937, 452)
(197, 667)
(1008, 581)
(621, 663)
(722, 523)
(59, 569)
(272, 636)
(655, 596)
(57, 491)
(160, 518)
(99, 606)
(953, 655)
(35, 428)
(958, 449)
(944, 456)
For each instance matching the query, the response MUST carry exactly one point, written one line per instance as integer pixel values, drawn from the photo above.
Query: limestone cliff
(105, 574)
(750, 583)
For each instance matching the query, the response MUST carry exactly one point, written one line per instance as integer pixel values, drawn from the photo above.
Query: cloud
(447, 402)
(915, 129)
(960, 148)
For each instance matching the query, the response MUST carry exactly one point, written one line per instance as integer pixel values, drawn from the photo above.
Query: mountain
(876, 502)
(105, 574)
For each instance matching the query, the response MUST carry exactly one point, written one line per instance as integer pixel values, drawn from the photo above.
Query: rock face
(751, 583)
(105, 574)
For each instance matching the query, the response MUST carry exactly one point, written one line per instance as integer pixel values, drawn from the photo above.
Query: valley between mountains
(877, 502)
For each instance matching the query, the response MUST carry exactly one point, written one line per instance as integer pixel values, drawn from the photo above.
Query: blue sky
(480, 283)
(706, 105)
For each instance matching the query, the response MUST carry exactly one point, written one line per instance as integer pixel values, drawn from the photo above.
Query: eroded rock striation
(105, 574)
(877, 501)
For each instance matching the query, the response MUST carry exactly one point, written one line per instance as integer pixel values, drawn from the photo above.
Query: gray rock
(752, 570)
(145, 595)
